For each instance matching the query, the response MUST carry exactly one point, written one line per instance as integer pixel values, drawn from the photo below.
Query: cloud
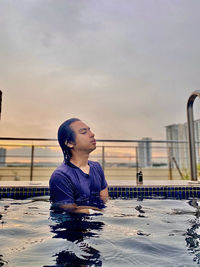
(127, 68)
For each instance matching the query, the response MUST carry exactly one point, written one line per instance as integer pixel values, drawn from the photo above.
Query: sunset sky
(125, 67)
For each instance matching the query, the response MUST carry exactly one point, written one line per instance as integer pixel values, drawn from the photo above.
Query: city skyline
(180, 152)
(126, 68)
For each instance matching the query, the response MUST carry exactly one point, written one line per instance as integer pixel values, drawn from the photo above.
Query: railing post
(32, 162)
(170, 163)
(137, 162)
(103, 157)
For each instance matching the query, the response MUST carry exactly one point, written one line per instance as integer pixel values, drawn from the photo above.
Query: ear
(69, 144)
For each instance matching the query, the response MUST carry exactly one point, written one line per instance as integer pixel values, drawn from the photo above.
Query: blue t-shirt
(69, 184)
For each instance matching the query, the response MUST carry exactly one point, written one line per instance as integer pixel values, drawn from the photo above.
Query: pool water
(151, 232)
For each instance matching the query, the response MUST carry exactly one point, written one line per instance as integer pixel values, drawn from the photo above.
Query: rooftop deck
(129, 183)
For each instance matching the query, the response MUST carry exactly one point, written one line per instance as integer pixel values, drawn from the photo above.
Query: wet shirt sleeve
(61, 189)
(103, 179)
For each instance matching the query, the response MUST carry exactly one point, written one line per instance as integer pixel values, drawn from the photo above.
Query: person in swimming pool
(78, 184)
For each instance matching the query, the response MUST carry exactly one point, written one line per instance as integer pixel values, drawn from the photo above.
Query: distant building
(145, 153)
(2, 156)
(180, 151)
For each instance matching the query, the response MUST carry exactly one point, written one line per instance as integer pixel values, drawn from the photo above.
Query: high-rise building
(2, 156)
(145, 153)
(180, 151)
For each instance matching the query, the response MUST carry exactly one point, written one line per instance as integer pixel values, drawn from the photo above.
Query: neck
(79, 160)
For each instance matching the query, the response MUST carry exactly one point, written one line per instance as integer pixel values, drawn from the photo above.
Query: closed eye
(84, 130)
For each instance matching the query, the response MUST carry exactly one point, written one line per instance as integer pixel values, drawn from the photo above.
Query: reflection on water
(2, 261)
(76, 229)
(128, 233)
(192, 234)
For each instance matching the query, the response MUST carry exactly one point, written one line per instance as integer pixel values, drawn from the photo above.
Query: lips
(93, 142)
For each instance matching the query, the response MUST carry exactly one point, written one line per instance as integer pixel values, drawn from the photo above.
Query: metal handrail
(98, 140)
(0, 102)
(191, 137)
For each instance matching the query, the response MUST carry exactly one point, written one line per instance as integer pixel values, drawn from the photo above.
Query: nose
(91, 134)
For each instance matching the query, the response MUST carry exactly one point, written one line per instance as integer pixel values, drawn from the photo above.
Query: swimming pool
(151, 232)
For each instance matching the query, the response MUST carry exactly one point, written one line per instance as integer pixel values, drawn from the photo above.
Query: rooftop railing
(35, 158)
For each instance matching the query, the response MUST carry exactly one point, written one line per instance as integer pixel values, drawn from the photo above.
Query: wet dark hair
(65, 135)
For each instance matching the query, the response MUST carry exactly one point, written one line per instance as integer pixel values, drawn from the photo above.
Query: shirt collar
(67, 162)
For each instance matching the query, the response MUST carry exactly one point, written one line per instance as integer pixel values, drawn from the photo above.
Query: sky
(124, 67)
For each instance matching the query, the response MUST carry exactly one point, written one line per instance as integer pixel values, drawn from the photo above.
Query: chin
(92, 149)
